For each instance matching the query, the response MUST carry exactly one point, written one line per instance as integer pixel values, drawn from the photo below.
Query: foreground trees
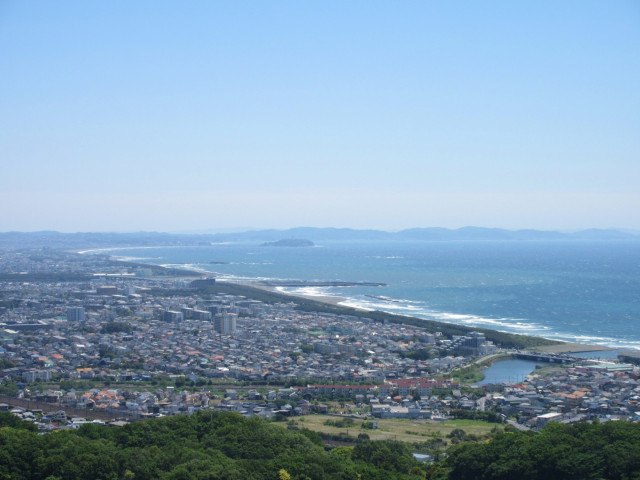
(227, 446)
(207, 445)
(581, 451)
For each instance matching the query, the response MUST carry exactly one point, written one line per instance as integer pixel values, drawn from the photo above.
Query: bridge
(546, 357)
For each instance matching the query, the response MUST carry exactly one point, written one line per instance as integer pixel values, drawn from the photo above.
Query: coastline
(571, 347)
(327, 299)
(561, 347)
(558, 346)
(448, 303)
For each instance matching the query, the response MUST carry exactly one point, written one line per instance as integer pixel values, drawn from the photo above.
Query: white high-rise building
(225, 323)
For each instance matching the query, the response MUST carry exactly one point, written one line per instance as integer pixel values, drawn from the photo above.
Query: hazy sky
(205, 115)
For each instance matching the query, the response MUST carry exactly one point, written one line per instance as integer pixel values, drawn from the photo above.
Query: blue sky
(204, 115)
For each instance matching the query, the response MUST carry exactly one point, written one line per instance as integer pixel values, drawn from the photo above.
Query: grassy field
(406, 430)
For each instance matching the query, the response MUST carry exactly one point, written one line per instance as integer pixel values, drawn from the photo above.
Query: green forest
(219, 445)
(582, 451)
(206, 445)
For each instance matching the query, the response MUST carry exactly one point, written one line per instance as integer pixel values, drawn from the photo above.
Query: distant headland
(289, 242)
(294, 237)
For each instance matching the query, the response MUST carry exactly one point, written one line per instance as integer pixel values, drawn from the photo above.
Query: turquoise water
(576, 291)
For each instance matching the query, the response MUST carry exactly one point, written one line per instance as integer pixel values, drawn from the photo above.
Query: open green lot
(407, 430)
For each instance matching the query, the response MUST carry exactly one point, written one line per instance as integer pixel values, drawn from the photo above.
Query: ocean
(578, 291)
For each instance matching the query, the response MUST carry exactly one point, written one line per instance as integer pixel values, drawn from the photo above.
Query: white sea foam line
(593, 340)
(513, 324)
(132, 259)
(354, 304)
(475, 320)
(225, 277)
(250, 263)
(111, 249)
(610, 341)
(504, 324)
(186, 266)
(628, 345)
(307, 291)
(451, 317)
(234, 278)
(391, 307)
(404, 300)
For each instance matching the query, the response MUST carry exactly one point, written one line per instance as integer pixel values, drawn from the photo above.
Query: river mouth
(513, 370)
(509, 370)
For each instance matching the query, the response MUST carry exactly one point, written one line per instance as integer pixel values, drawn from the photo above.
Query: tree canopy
(581, 451)
(206, 445)
(222, 445)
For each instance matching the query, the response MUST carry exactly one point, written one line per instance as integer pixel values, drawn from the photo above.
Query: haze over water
(587, 292)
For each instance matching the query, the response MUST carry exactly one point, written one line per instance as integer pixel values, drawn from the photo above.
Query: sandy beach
(330, 300)
(564, 347)
(568, 347)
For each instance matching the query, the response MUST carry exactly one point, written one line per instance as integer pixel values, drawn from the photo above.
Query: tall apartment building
(75, 314)
(225, 323)
(172, 316)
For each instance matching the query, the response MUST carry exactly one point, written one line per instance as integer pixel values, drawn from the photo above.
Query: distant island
(295, 237)
(289, 242)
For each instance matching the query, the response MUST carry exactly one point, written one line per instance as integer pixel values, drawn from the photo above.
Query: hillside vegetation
(206, 445)
(569, 452)
(227, 446)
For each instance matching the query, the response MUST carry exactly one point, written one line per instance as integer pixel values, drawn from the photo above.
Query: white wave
(516, 324)
(410, 302)
(359, 305)
(187, 266)
(250, 263)
(307, 291)
(113, 249)
(136, 259)
(421, 310)
(618, 343)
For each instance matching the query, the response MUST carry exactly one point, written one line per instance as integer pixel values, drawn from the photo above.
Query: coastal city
(85, 338)
(319, 240)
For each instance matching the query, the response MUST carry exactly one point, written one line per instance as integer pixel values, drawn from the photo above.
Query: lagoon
(511, 371)
(514, 371)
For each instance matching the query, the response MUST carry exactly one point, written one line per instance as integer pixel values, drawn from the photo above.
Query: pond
(514, 371)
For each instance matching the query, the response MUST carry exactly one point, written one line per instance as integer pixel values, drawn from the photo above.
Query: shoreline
(572, 347)
(561, 347)
(328, 299)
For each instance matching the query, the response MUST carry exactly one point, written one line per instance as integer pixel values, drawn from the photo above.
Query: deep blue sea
(579, 291)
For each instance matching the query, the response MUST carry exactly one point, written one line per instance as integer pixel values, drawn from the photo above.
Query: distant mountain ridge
(424, 234)
(88, 240)
(289, 242)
